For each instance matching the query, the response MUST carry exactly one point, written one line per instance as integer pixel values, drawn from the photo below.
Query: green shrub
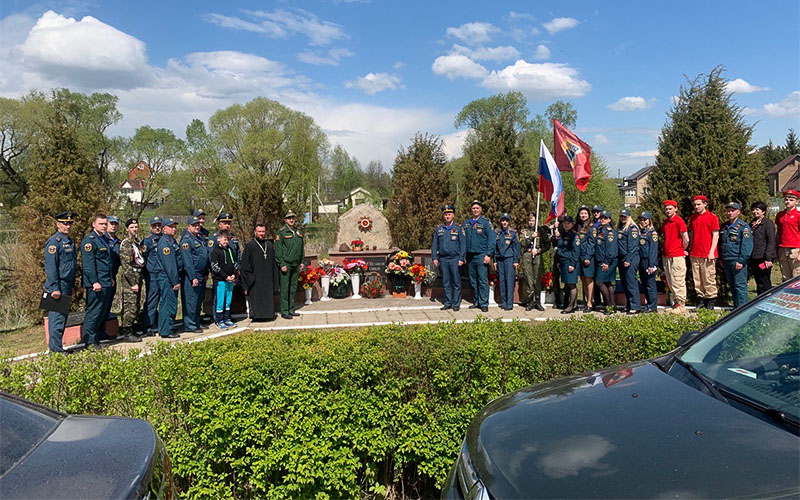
(340, 414)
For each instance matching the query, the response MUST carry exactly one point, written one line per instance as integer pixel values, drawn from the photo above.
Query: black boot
(709, 304)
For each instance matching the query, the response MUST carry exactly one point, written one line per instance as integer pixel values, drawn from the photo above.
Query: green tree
(376, 180)
(162, 152)
(704, 149)
(420, 186)
(792, 146)
(268, 154)
(66, 178)
(499, 172)
(345, 172)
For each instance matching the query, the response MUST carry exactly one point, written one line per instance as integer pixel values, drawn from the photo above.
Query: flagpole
(538, 197)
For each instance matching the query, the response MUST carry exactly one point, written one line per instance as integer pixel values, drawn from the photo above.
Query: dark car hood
(630, 431)
(85, 457)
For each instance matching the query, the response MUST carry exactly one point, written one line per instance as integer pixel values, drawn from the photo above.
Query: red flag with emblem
(572, 155)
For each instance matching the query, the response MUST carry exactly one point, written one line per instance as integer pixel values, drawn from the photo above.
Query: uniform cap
(625, 212)
(733, 205)
(67, 217)
(192, 220)
(646, 215)
(568, 218)
(584, 207)
(448, 209)
(597, 208)
(113, 218)
(606, 214)
(225, 217)
(198, 212)
(131, 221)
(505, 215)
(699, 197)
(289, 215)
(670, 203)
(791, 192)
(169, 221)
(475, 202)
(156, 220)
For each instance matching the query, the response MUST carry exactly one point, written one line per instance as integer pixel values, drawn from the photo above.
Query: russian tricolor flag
(550, 182)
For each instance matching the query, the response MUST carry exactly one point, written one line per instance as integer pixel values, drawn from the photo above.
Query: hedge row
(343, 414)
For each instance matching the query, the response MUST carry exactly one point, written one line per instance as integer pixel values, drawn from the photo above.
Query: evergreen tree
(420, 186)
(498, 171)
(66, 177)
(792, 146)
(703, 149)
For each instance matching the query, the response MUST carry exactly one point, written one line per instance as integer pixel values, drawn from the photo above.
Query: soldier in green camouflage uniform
(532, 263)
(132, 261)
(289, 255)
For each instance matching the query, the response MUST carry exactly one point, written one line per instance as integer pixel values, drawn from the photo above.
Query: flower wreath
(365, 224)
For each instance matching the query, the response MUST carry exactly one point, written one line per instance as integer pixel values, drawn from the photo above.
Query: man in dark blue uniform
(448, 252)
(169, 278)
(480, 246)
(113, 243)
(60, 259)
(194, 252)
(151, 276)
(628, 251)
(648, 260)
(201, 216)
(506, 254)
(736, 245)
(97, 279)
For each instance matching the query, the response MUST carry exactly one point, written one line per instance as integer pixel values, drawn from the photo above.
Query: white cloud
(600, 139)
(789, 106)
(454, 143)
(642, 154)
(500, 53)
(540, 82)
(742, 87)
(473, 33)
(458, 66)
(524, 16)
(632, 104)
(398, 65)
(332, 58)
(372, 83)
(84, 52)
(560, 24)
(542, 53)
(281, 23)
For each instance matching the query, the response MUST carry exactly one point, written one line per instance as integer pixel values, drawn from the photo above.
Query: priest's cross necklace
(263, 249)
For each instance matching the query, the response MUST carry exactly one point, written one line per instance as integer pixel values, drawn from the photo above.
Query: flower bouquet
(327, 265)
(357, 245)
(340, 282)
(373, 288)
(356, 268)
(547, 281)
(308, 278)
(399, 268)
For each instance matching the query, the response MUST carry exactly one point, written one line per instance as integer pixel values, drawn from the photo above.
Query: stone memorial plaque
(365, 222)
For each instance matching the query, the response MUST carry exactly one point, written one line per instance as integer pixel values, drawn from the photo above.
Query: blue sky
(372, 73)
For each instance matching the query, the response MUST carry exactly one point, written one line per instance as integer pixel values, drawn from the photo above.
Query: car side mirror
(688, 337)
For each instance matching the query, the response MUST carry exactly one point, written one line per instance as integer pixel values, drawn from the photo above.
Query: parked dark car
(717, 417)
(47, 454)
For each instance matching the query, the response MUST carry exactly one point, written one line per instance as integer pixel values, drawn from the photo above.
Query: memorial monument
(364, 222)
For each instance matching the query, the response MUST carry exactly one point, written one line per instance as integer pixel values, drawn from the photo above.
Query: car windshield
(22, 428)
(756, 354)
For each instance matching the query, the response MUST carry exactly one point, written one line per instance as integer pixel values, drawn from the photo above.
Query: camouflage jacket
(526, 240)
(131, 261)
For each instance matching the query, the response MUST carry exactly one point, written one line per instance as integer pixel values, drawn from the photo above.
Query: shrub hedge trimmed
(338, 414)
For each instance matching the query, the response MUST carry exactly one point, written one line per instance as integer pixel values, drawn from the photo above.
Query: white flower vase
(491, 295)
(543, 297)
(417, 291)
(356, 285)
(308, 296)
(326, 286)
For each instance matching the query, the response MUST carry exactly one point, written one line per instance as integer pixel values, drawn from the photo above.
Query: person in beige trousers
(675, 238)
(704, 237)
(788, 235)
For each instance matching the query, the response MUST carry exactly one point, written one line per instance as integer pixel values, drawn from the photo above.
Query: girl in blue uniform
(586, 266)
(568, 253)
(629, 255)
(605, 256)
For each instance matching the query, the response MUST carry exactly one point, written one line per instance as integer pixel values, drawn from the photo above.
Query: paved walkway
(354, 313)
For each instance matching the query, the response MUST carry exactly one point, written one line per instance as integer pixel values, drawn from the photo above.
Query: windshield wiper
(774, 413)
(712, 388)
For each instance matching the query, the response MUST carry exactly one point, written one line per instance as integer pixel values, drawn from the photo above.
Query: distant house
(784, 175)
(634, 187)
(133, 186)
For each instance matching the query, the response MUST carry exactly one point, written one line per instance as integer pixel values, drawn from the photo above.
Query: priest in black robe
(259, 273)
